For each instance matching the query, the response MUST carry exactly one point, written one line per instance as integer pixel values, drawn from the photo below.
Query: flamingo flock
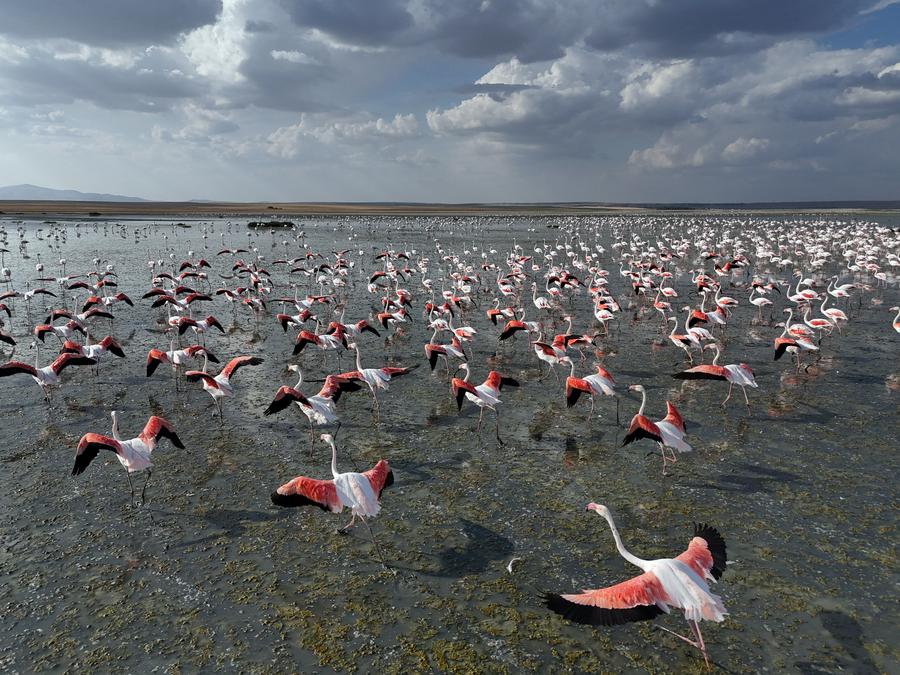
(672, 286)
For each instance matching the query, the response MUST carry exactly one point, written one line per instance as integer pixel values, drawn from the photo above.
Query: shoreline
(282, 210)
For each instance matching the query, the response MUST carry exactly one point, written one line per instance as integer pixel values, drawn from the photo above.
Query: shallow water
(210, 575)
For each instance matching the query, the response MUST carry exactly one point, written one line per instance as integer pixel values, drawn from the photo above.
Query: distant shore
(282, 210)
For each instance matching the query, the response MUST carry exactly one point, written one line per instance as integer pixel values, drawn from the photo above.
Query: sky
(453, 101)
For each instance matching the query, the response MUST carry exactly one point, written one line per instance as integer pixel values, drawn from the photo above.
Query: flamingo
(359, 492)
(95, 351)
(601, 382)
(434, 350)
(48, 376)
(485, 395)
(319, 408)
(896, 318)
(739, 374)
(62, 332)
(134, 454)
(793, 344)
(668, 432)
(220, 387)
(177, 357)
(375, 378)
(679, 583)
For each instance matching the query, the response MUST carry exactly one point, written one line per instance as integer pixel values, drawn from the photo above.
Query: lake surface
(209, 575)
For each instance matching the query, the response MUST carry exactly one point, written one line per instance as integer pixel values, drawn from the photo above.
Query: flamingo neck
(115, 426)
(334, 471)
(358, 363)
(640, 412)
(620, 547)
(715, 361)
(674, 326)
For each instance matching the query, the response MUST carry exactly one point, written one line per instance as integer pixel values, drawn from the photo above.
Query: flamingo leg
(497, 418)
(131, 485)
(146, 482)
(617, 411)
(375, 543)
(343, 530)
(695, 626)
(744, 389)
(692, 643)
(480, 419)
(728, 398)
(665, 459)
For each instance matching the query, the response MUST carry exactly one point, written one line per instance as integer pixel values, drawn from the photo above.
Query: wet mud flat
(209, 575)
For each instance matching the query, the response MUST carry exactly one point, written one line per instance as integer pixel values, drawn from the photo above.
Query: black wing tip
(715, 542)
(389, 479)
(290, 501)
(598, 616)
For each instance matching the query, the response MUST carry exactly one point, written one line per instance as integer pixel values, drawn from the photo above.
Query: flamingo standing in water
(739, 374)
(133, 454)
(359, 492)
(679, 583)
(668, 432)
(896, 318)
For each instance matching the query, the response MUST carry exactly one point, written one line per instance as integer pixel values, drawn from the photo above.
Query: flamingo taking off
(739, 374)
(133, 454)
(220, 386)
(667, 432)
(359, 492)
(679, 583)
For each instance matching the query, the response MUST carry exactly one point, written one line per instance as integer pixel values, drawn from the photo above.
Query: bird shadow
(482, 547)
(847, 632)
(749, 479)
(234, 522)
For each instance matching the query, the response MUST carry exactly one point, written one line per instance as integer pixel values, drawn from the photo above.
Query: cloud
(106, 22)
(287, 141)
(373, 22)
(682, 28)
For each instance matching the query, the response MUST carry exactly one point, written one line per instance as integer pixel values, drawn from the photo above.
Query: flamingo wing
(638, 599)
(239, 362)
(781, 345)
(283, 398)
(154, 358)
(706, 554)
(674, 417)
(158, 427)
(303, 491)
(702, 372)
(458, 389)
(64, 360)
(16, 367)
(380, 476)
(195, 375)
(335, 386)
(641, 427)
(397, 372)
(574, 387)
(89, 447)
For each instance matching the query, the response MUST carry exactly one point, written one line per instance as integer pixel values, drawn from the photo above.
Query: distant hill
(27, 192)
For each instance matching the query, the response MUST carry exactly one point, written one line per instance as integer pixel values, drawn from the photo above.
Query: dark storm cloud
(368, 22)
(532, 30)
(677, 28)
(106, 22)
